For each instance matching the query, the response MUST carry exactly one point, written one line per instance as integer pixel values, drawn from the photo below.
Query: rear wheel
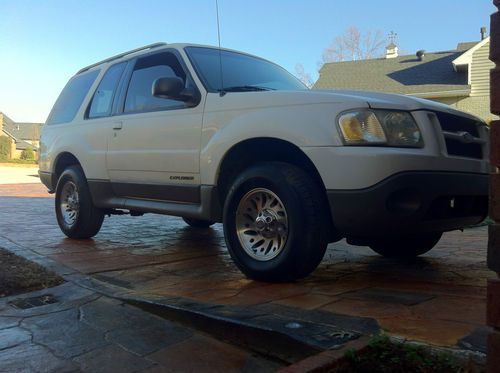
(274, 222)
(406, 247)
(76, 214)
(197, 223)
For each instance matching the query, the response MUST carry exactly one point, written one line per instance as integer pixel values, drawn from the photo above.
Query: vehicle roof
(148, 48)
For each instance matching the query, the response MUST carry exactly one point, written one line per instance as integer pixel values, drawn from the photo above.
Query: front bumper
(48, 179)
(411, 202)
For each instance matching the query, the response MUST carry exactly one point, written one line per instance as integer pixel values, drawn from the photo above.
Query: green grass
(384, 356)
(20, 161)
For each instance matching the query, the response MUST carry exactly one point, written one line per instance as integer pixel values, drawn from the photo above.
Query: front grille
(458, 125)
(455, 147)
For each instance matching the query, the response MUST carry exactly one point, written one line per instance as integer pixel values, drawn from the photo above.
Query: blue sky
(43, 43)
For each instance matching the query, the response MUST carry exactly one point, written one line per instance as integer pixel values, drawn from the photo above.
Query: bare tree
(303, 76)
(353, 45)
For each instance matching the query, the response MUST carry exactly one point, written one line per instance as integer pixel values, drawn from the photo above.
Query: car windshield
(240, 72)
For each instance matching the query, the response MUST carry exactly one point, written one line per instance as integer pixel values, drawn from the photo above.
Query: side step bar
(208, 209)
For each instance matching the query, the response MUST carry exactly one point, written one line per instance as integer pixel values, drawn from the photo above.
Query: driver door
(154, 147)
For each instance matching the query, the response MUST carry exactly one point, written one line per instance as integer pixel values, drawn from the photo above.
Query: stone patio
(440, 298)
(84, 331)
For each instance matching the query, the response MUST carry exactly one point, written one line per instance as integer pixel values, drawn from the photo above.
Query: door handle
(117, 125)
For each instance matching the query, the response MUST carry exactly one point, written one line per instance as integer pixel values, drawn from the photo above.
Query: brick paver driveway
(438, 298)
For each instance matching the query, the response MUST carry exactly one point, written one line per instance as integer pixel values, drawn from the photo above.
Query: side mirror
(171, 88)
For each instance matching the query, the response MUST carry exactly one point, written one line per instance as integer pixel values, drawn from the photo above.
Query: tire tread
(90, 218)
(308, 250)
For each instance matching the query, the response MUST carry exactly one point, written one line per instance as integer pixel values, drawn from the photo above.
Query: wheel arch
(63, 161)
(262, 149)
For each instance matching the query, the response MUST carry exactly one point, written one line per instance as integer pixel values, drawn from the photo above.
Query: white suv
(217, 135)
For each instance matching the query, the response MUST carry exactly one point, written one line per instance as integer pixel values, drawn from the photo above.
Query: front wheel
(275, 222)
(76, 214)
(406, 247)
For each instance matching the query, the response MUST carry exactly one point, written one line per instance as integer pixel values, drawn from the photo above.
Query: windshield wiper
(246, 88)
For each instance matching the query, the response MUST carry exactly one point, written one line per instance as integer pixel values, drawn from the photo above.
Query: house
(458, 77)
(22, 135)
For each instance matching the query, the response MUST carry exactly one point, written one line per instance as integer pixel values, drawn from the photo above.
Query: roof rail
(149, 46)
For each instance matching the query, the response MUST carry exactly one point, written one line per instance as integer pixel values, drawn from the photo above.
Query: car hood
(378, 100)
(347, 99)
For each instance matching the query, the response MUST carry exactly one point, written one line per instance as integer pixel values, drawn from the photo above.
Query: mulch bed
(18, 275)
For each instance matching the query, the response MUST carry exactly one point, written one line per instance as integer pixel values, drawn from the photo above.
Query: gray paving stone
(13, 337)
(64, 334)
(112, 359)
(8, 322)
(149, 336)
(33, 358)
(109, 314)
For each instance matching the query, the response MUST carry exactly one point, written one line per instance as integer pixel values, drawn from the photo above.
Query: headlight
(361, 127)
(380, 127)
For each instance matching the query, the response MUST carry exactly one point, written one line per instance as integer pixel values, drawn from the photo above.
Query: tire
(406, 247)
(76, 214)
(196, 223)
(279, 204)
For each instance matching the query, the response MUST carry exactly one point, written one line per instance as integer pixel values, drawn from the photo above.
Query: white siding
(480, 71)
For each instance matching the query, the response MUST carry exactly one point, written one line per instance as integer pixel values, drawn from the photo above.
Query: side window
(103, 96)
(71, 98)
(146, 71)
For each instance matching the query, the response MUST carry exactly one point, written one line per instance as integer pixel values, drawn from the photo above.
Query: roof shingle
(403, 74)
(23, 131)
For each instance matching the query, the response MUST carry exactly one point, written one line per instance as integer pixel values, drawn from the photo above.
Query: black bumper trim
(48, 179)
(411, 202)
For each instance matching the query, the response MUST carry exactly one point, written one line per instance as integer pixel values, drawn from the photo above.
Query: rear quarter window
(71, 98)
